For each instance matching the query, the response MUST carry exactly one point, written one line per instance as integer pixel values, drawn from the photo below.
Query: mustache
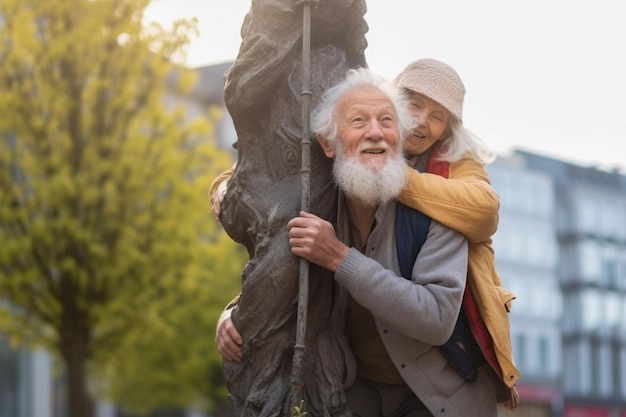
(378, 146)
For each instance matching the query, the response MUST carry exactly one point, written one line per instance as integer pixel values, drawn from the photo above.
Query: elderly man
(389, 326)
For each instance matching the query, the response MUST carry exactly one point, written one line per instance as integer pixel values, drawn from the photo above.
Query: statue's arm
(271, 41)
(270, 33)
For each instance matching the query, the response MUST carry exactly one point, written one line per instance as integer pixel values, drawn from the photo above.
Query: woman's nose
(419, 119)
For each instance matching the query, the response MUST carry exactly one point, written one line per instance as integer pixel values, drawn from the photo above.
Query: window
(519, 351)
(617, 372)
(613, 310)
(8, 380)
(621, 270)
(544, 296)
(609, 272)
(609, 265)
(585, 214)
(591, 309)
(611, 217)
(544, 355)
(577, 368)
(543, 197)
(584, 365)
(569, 369)
(542, 247)
(589, 256)
(602, 369)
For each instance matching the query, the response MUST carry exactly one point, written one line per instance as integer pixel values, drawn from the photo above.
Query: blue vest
(411, 231)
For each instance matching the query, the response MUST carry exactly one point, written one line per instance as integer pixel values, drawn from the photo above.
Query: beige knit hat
(437, 81)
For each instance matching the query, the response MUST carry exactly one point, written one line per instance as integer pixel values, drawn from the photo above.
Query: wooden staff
(305, 177)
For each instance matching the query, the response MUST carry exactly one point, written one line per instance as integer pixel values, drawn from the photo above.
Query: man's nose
(375, 131)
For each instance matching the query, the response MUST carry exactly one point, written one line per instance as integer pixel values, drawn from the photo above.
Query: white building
(591, 229)
(527, 255)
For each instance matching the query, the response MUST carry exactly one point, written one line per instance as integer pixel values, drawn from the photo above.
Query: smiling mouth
(417, 135)
(374, 151)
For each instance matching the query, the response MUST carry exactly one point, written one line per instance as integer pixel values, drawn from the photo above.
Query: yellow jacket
(224, 176)
(466, 202)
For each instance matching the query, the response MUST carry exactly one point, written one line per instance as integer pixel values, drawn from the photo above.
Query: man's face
(367, 127)
(369, 166)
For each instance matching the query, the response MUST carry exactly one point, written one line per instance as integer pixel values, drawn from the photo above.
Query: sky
(544, 76)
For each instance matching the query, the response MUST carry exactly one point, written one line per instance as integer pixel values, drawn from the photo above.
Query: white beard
(370, 186)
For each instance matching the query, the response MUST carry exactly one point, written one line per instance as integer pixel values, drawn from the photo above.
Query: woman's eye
(438, 116)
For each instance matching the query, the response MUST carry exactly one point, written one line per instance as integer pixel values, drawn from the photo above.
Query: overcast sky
(546, 76)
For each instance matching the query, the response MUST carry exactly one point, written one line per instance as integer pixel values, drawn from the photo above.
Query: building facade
(527, 256)
(561, 248)
(591, 232)
(25, 382)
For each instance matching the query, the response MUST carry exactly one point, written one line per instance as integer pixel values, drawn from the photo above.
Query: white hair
(463, 143)
(323, 120)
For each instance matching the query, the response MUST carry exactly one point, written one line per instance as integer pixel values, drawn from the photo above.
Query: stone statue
(263, 94)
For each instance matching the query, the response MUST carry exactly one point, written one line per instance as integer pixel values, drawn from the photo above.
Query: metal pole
(305, 177)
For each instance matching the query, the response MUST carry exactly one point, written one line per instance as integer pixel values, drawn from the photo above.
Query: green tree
(103, 205)
(176, 363)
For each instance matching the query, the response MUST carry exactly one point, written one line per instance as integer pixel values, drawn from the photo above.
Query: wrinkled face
(433, 120)
(367, 127)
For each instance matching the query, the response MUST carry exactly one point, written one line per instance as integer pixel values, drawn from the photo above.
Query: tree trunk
(79, 401)
(74, 348)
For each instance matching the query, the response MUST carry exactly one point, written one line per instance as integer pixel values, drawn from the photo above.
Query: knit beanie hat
(437, 81)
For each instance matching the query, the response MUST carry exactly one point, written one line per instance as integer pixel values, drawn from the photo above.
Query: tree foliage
(104, 217)
(185, 368)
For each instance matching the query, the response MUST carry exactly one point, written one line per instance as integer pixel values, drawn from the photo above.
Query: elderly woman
(455, 190)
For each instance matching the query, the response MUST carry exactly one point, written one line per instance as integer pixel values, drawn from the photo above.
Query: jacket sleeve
(233, 303)
(224, 176)
(424, 308)
(465, 201)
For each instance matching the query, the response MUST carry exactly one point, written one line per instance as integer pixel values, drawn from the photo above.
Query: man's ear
(326, 145)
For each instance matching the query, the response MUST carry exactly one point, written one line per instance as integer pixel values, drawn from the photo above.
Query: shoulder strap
(412, 225)
(411, 231)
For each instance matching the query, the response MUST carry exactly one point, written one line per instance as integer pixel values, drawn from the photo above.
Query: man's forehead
(364, 97)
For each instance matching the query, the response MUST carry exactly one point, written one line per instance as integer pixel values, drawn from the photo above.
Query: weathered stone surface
(263, 94)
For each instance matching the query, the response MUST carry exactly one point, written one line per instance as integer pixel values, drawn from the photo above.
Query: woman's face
(433, 120)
